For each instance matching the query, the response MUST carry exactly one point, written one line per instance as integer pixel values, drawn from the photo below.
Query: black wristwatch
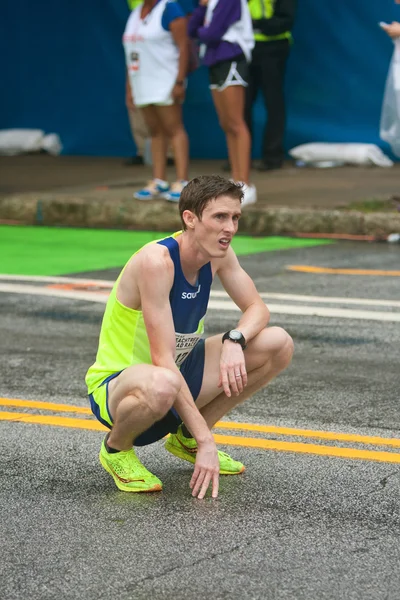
(234, 335)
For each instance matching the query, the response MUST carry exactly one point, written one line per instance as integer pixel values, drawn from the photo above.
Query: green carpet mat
(59, 251)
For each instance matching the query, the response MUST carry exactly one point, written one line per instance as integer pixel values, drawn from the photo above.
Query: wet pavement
(297, 524)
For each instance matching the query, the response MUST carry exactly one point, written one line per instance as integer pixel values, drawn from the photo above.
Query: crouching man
(154, 374)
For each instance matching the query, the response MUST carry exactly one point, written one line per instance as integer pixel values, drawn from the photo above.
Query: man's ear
(189, 218)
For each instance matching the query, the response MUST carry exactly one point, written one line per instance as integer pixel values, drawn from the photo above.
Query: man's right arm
(155, 279)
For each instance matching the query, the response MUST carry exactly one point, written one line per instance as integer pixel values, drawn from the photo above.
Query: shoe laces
(226, 456)
(126, 463)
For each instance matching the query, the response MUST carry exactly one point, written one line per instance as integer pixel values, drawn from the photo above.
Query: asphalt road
(297, 525)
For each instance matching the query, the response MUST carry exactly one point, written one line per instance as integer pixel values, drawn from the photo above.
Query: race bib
(134, 62)
(184, 344)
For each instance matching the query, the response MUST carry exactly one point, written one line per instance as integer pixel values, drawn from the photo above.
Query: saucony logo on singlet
(190, 295)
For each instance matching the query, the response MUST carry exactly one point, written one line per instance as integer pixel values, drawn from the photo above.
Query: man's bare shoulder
(153, 258)
(151, 264)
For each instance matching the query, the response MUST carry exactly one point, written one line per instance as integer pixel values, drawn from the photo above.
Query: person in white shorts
(156, 52)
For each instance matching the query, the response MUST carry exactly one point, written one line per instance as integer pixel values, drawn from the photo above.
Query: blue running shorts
(192, 370)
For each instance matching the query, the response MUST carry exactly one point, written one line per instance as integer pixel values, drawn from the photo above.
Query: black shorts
(229, 72)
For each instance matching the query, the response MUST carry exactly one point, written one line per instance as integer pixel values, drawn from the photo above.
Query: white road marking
(224, 304)
(317, 311)
(34, 290)
(319, 299)
(106, 283)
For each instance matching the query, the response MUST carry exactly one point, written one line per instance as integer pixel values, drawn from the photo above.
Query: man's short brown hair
(201, 190)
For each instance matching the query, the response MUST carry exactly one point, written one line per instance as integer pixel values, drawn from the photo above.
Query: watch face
(235, 335)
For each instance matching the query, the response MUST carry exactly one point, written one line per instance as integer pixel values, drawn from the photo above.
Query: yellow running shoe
(186, 448)
(128, 472)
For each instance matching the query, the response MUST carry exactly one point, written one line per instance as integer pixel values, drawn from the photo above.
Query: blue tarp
(63, 71)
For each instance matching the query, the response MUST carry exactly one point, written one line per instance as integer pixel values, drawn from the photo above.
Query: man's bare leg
(137, 398)
(266, 356)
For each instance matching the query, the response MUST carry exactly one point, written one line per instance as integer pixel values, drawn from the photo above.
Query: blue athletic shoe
(154, 189)
(174, 193)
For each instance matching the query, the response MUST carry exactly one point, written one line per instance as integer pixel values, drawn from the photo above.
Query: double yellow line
(228, 440)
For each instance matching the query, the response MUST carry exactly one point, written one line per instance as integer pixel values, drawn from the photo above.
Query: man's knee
(276, 345)
(283, 346)
(164, 386)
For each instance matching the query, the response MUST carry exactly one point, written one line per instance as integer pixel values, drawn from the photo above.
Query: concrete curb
(102, 211)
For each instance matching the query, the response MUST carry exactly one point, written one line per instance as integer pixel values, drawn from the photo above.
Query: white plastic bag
(17, 141)
(52, 144)
(315, 153)
(390, 117)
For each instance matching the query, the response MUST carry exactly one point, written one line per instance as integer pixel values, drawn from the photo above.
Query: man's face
(218, 225)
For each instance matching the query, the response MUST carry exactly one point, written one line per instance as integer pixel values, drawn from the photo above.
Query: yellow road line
(227, 440)
(308, 448)
(52, 420)
(309, 269)
(44, 405)
(324, 435)
(288, 431)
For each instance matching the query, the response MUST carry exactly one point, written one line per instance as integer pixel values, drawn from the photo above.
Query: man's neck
(192, 258)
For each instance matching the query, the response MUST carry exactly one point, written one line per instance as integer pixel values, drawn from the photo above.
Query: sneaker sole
(124, 488)
(179, 454)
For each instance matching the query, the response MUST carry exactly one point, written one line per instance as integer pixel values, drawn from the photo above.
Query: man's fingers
(199, 481)
(233, 382)
(215, 485)
(243, 372)
(239, 380)
(194, 476)
(225, 383)
(219, 380)
(204, 487)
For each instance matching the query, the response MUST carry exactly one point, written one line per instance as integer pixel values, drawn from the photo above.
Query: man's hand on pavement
(206, 470)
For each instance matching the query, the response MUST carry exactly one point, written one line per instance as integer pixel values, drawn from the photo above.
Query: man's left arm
(280, 22)
(255, 317)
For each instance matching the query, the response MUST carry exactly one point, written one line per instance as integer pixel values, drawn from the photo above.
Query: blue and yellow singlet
(123, 336)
